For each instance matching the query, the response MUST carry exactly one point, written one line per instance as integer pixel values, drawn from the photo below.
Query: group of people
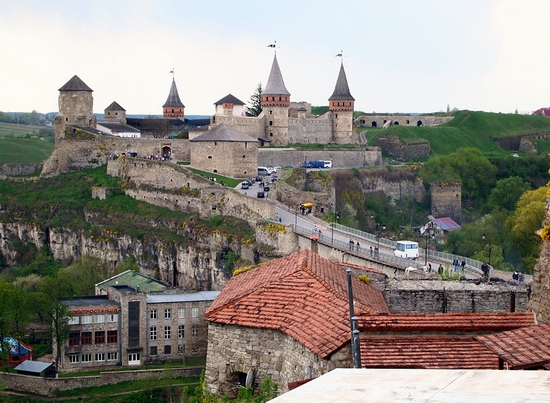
(459, 265)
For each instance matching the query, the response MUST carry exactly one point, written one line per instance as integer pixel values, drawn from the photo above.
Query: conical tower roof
(75, 84)
(275, 84)
(115, 107)
(341, 90)
(173, 100)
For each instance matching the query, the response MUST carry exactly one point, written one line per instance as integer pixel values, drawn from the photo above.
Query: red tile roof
(523, 348)
(302, 295)
(446, 322)
(432, 352)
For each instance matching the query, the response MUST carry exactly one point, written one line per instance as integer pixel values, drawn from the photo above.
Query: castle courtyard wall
(229, 158)
(283, 157)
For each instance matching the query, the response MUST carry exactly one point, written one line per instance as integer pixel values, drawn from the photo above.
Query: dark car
(266, 188)
(261, 195)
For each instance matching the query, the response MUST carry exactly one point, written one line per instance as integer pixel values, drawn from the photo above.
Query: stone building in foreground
(289, 320)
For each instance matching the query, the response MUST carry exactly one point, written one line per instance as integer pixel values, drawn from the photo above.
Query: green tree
(53, 290)
(85, 273)
(470, 167)
(525, 222)
(255, 102)
(507, 192)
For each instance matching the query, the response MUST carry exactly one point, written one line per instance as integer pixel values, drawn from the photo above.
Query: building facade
(129, 326)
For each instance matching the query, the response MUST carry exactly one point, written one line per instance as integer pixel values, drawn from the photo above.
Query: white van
(263, 171)
(328, 164)
(406, 249)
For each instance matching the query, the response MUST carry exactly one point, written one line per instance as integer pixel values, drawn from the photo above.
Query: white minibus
(406, 249)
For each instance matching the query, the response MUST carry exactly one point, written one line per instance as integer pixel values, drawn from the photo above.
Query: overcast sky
(399, 55)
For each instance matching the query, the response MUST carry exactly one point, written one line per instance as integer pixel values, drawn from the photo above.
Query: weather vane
(172, 72)
(273, 45)
(341, 56)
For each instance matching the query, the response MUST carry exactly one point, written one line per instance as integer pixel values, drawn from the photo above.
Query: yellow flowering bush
(364, 278)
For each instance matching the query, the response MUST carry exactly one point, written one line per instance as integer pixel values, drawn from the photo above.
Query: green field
(23, 144)
(25, 151)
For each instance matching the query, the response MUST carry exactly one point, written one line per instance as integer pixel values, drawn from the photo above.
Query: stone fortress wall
(285, 157)
(379, 121)
(404, 150)
(174, 187)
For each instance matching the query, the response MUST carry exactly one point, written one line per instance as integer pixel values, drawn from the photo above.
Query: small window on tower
(270, 123)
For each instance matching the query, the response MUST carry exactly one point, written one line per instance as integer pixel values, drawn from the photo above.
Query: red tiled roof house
(287, 320)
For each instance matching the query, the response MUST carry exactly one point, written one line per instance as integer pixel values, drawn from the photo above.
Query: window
(168, 349)
(73, 320)
(180, 348)
(112, 317)
(100, 356)
(153, 314)
(86, 319)
(86, 339)
(181, 313)
(181, 331)
(153, 350)
(167, 332)
(99, 337)
(86, 358)
(74, 339)
(99, 318)
(195, 330)
(270, 123)
(74, 358)
(112, 356)
(167, 313)
(112, 336)
(195, 312)
(153, 332)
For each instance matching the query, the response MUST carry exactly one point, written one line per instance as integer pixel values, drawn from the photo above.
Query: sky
(400, 56)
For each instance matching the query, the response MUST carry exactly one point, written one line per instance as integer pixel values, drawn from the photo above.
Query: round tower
(173, 107)
(275, 105)
(341, 104)
(76, 106)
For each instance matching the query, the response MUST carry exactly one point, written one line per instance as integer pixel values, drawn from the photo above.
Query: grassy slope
(15, 149)
(468, 129)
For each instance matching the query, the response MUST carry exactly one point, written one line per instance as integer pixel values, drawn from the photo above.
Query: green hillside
(25, 151)
(24, 144)
(467, 129)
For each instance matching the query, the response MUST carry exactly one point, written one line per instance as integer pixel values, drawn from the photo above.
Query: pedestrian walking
(371, 251)
(358, 246)
(351, 243)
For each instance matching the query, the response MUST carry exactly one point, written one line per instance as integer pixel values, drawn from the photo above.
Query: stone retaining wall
(52, 386)
(19, 169)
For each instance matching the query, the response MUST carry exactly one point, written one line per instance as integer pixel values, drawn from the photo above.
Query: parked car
(266, 188)
(261, 195)
(245, 185)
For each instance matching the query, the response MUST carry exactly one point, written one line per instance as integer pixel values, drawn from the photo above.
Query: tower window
(270, 123)
(271, 112)
(336, 115)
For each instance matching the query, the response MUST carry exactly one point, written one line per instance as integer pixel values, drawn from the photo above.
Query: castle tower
(341, 104)
(76, 106)
(275, 105)
(173, 107)
(115, 113)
